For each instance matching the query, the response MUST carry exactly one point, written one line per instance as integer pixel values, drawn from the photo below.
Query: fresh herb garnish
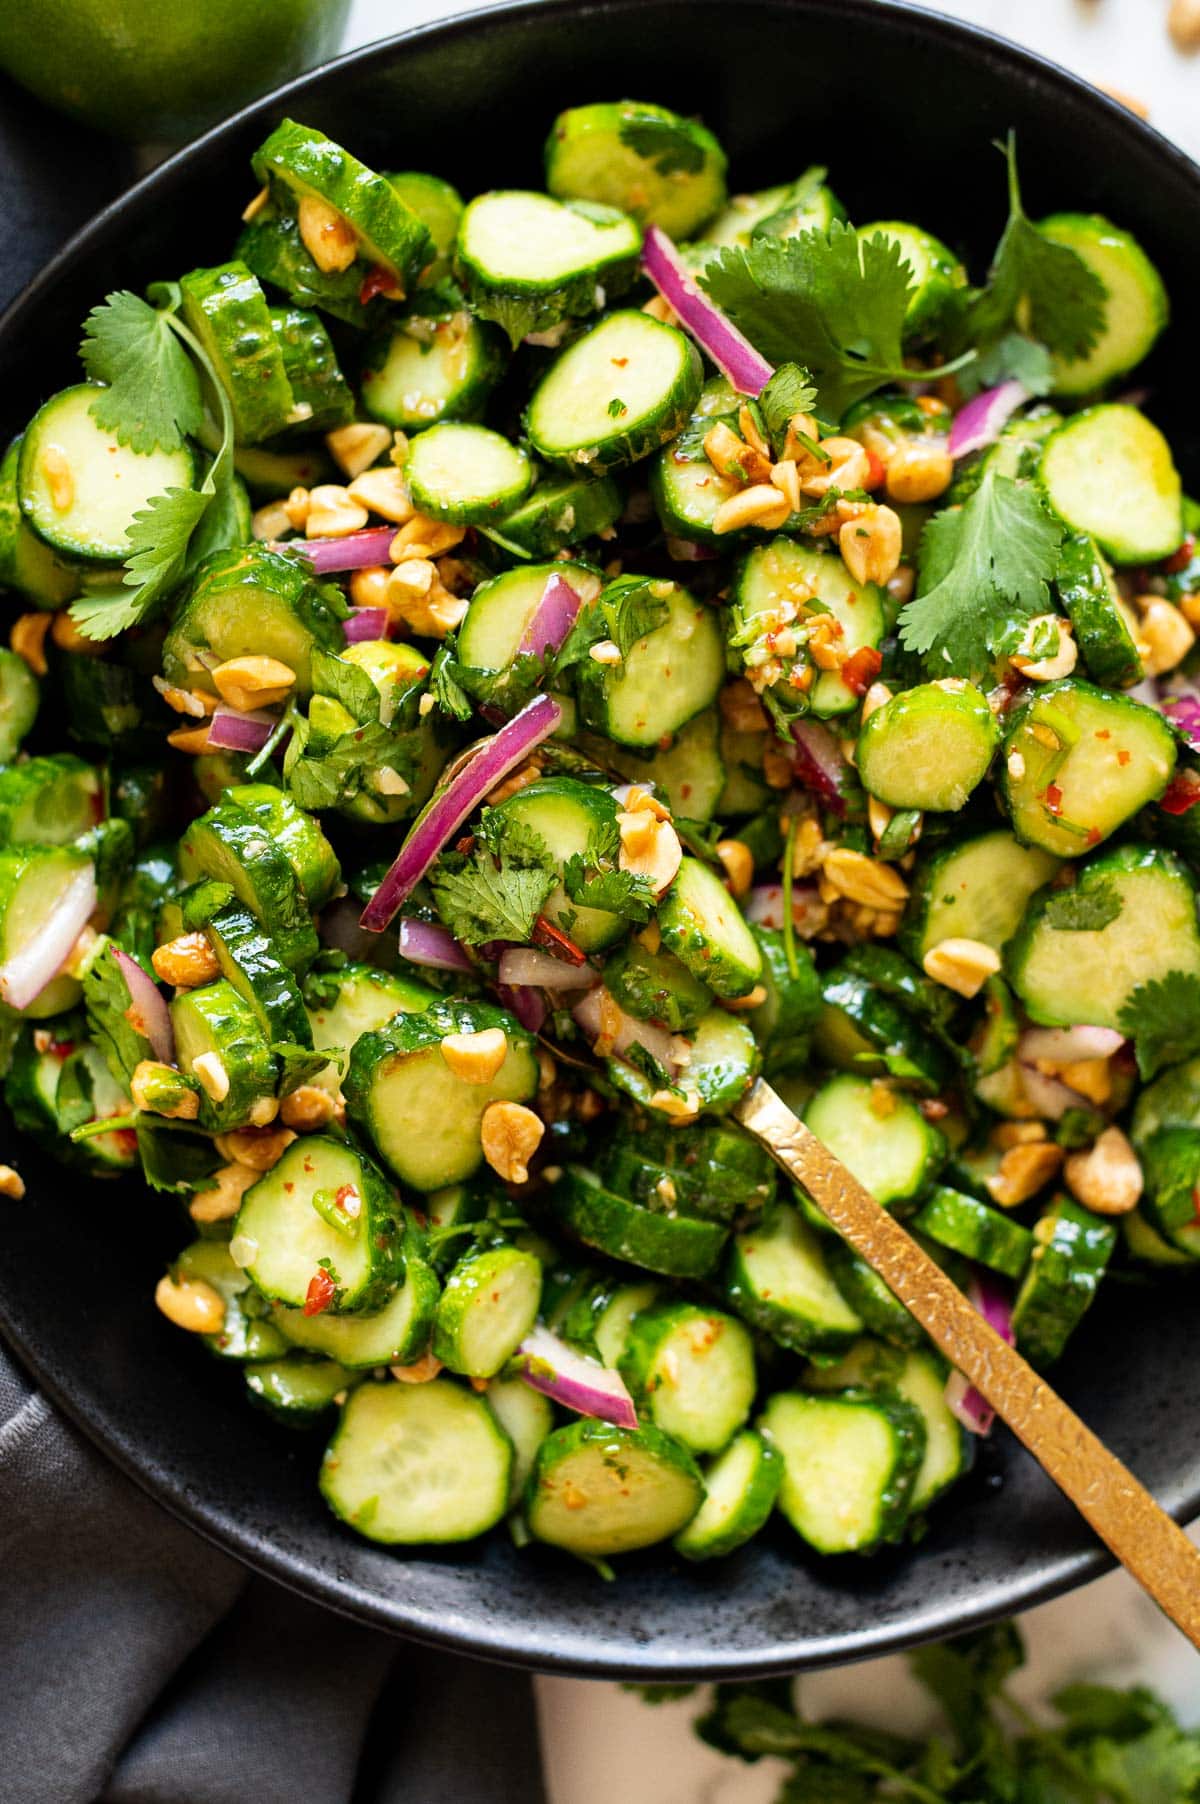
(666, 143)
(152, 398)
(593, 878)
(624, 611)
(497, 890)
(108, 1004)
(1076, 910)
(788, 393)
(1162, 1018)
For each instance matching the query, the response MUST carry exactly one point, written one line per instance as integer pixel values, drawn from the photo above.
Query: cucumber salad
(491, 678)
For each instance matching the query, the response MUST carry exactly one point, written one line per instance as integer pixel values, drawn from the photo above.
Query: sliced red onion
(521, 965)
(660, 1044)
(229, 730)
(570, 1378)
(817, 761)
(994, 1304)
(729, 349)
(1049, 1096)
(764, 905)
(552, 619)
(981, 421)
(446, 811)
(428, 943)
(353, 551)
(528, 1005)
(1183, 712)
(367, 623)
(26, 974)
(149, 1005)
(1068, 1045)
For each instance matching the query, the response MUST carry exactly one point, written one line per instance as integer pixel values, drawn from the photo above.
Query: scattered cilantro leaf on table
(666, 143)
(1162, 1018)
(1087, 910)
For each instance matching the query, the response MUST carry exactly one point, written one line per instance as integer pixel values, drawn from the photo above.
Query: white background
(602, 1745)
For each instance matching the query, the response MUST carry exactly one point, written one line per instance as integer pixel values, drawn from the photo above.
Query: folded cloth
(143, 1666)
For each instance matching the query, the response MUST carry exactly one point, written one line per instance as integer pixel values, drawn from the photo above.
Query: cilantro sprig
(1162, 1018)
(665, 143)
(497, 890)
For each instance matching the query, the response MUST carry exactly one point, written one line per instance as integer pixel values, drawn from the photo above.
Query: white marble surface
(602, 1745)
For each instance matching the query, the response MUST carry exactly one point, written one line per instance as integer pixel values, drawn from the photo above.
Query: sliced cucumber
(27, 563)
(928, 747)
(1072, 1248)
(661, 168)
(783, 1022)
(227, 310)
(1099, 616)
(272, 247)
(972, 1228)
(688, 774)
(230, 845)
(418, 1463)
(439, 207)
(322, 1208)
(247, 960)
(397, 1333)
(1171, 1171)
(654, 986)
(785, 571)
(615, 395)
(19, 695)
(712, 1169)
(883, 1137)
(693, 1370)
(669, 675)
(861, 1028)
(723, 1061)
(705, 929)
(530, 262)
(687, 492)
(778, 1280)
(561, 511)
(881, 1311)
(937, 278)
(567, 816)
(1135, 304)
(359, 1000)
(1146, 1245)
(740, 1490)
(34, 882)
(247, 1331)
(597, 1490)
(250, 602)
(975, 890)
(1171, 1101)
(297, 834)
(780, 212)
(468, 474)
(599, 1321)
(500, 612)
(215, 1023)
(1066, 976)
(919, 1377)
(850, 1464)
(677, 1245)
(320, 392)
(48, 801)
(526, 1418)
(79, 488)
(1078, 762)
(422, 369)
(1108, 472)
(489, 1304)
(296, 1389)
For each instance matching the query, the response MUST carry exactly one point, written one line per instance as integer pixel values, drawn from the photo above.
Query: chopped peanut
(682, 1108)
(730, 455)
(879, 817)
(1091, 1077)
(1124, 99)
(419, 1372)
(1059, 663)
(222, 1195)
(147, 1077)
(191, 1303)
(253, 682)
(356, 447)
(209, 1069)
(514, 783)
(258, 1149)
(752, 999)
(415, 595)
(262, 1111)
(333, 512)
(847, 467)
(1166, 637)
(28, 640)
(1017, 1133)
(185, 701)
(762, 505)
(186, 961)
(510, 1134)
(384, 492)
(1107, 1176)
(658, 307)
(476, 1058)
(870, 544)
(307, 1108)
(809, 847)
(738, 862)
(638, 799)
(919, 470)
(777, 767)
(12, 1184)
(328, 236)
(741, 708)
(748, 427)
(253, 208)
(422, 537)
(67, 636)
(1183, 23)
(1023, 1171)
(605, 651)
(862, 879)
(963, 966)
(296, 508)
(649, 847)
(369, 586)
(192, 740)
(786, 478)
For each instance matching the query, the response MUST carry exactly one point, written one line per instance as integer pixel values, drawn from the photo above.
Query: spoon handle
(1121, 1511)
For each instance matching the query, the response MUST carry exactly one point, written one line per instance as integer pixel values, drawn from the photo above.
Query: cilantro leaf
(983, 567)
(667, 143)
(789, 392)
(1162, 1018)
(174, 1159)
(625, 893)
(1087, 910)
(624, 611)
(444, 685)
(1160, 1767)
(158, 541)
(498, 890)
(298, 1065)
(328, 775)
(346, 683)
(1014, 355)
(152, 398)
(108, 1004)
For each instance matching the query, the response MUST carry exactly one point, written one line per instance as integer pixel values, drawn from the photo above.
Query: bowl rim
(489, 1637)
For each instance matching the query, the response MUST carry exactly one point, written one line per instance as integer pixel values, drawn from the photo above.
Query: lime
(145, 70)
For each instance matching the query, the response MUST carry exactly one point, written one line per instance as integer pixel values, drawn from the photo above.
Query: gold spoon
(1121, 1511)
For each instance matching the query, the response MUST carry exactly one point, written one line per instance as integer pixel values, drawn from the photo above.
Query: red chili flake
(1093, 836)
(861, 668)
(288, 1186)
(875, 472)
(1182, 793)
(320, 1292)
(1179, 560)
(126, 1139)
(62, 1049)
(553, 940)
(619, 361)
(1103, 733)
(465, 844)
(377, 281)
(342, 1196)
(1053, 798)
(1123, 757)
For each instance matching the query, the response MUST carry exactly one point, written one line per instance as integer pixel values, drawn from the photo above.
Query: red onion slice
(1183, 712)
(427, 943)
(660, 1044)
(995, 1306)
(525, 965)
(367, 624)
(729, 349)
(26, 974)
(570, 1378)
(1049, 1096)
(148, 1005)
(232, 731)
(354, 551)
(445, 813)
(981, 421)
(818, 763)
(528, 1005)
(552, 619)
(1068, 1045)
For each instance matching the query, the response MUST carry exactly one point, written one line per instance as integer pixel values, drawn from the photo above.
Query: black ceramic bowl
(904, 107)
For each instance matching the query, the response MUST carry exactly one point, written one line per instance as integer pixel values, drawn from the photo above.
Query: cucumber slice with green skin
(1171, 1172)
(654, 986)
(422, 369)
(418, 1464)
(687, 491)
(216, 1020)
(311, 366)
(785, 570)
(596, 1490)
(723, 1064)
(615, 395)
(677, 1246)
(33, 881)
(778, 1279)
(937, 278)
(454, 1207)
(566, 815)
(662, 169)
(1078, 762)
(1017, 452)
(886, 1141)
(665, 679)
(561, 511)
(269, 475)
(706, 930)
(1135, 306)
(19, 696)
(850, 1464)
(489, 1304)
(783, 1022)
(975, 890)
(397, 1333)
(107, 483)
(272, 247)
(741, 1487)
(526, 1418)
(599, 1321)
(296, 1390)
(693, 1370)
(501, 610)
(994, 1042)
(290, 1216)
(1068, 977)
(897, 977)
(304, 162)
(779, 212)
(713, 1169)
(227, 310)
(972, 1228)
(234, 847)
(438, 206)
(359, 1000)
(466, 474)
(868, 1296)
(1147, 1246)
(1108, 471)
(27, 564)
(688, 774)
(48, 801)
(247, 1332)
(297, 834)
(919, 1377)
(247, 960)
(1072, 1249)
(424, 1120)
(52, 1092)
(1097, 613)
(1171, 1101)
(250, 603)
(928, 747)
(528, 262)
(860, 1028)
